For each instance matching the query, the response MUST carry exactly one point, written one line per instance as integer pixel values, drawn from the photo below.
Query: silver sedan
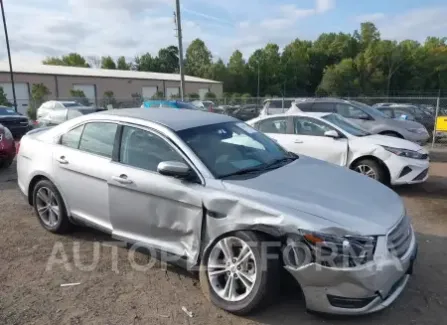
(226, 200)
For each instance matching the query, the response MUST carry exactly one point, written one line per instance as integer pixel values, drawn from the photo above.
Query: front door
(356, 116)
(309, 139)
(82, 165)
(146, 207)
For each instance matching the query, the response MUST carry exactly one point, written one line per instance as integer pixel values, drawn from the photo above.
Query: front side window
(72, 137)
(322, 107)
(98, 138)
(345, 125)
(273, 125)
(231, 147)
(403, 114)
(350, 111)
(387, 111)
(310, 126)
(145, 150)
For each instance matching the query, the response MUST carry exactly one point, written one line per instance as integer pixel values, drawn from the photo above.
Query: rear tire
(264, 274)
(372, 169)
(50, 208)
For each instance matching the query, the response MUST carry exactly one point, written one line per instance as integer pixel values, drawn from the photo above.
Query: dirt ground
(114, 293)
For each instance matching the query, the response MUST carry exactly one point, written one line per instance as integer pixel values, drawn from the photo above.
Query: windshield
(231, 147)
(186, 105)
(345, 125)
(374, 112)
(7, 111)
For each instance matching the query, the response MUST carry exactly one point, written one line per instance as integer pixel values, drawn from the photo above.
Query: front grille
(421, 176)
(399, 238)
(15, 122)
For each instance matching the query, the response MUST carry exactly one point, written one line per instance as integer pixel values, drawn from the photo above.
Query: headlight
(405, 153)
(336, 251)
(418, 130)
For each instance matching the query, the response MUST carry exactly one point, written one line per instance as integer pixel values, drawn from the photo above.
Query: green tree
(218, 71)
(193, 96)
(168, 60)
(107, 63)
(236, 73)
(146, 62)
(210, 95)
(197, 59)
(122, 64)
(109, 99)
(340, 80)
(72, 60)
(3, 100)
(39, 94)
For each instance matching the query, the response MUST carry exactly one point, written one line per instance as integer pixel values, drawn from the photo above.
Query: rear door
(147, 207)
(82, 168)
(277, 128)
(309, 139)
(356, 115)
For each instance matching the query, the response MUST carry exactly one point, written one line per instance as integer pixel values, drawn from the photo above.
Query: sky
(93, 28)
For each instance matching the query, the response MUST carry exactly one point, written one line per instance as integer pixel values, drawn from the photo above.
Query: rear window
(72, 104)
(278, 103)
(305, 107)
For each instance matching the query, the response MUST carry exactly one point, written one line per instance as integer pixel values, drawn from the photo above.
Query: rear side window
(273, 125)
(72, 137)
(98, 138)
(387, 111)
(305, 107)
(323, 108)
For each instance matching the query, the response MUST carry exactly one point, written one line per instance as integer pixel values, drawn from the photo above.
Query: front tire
(371, 169)
(236, 275)
(50, 208)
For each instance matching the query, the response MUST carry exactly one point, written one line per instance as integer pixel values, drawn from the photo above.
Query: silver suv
(367, 117)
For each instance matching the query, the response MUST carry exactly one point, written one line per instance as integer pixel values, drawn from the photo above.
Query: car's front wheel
(50, 207)
(371, 169)
(237, 274)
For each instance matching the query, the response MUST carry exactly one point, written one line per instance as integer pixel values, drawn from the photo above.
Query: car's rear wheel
(236, 274)
(371, 169)
(50, 207)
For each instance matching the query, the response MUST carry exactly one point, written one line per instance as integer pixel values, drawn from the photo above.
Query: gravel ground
(114, 293)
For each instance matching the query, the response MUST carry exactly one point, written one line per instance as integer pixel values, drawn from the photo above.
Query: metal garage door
(22, 95)
(173, 92)
(148, 92)
(89, 92)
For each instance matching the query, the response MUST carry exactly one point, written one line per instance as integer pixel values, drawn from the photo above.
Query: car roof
(174, 119)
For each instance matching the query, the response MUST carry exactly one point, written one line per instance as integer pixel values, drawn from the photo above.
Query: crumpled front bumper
(361, 290)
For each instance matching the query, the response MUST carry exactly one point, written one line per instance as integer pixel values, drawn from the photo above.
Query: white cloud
(416, 24)
(324, 5)
(370, 17)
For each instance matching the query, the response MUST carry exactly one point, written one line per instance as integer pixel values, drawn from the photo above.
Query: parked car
(276, 105)
(205, 105)
(330, 137)
(54, 105)
(17, 124)
(183, 185)
(167, 104)
(7, 147)
(59, 116)
(246, 112)
(408, 112)
(367, 117)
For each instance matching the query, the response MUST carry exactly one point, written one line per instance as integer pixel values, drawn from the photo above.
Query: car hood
(384, 140)
(352, 201)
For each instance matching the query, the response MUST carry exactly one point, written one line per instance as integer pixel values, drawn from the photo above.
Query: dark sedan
(15, 122)
(409, 112)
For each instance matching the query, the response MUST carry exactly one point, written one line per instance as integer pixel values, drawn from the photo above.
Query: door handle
(298, 141)
(122, 179)
(62, 160)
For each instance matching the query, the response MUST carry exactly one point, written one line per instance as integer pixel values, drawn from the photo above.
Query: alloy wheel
(47, 207)
(232, 269)
(366, 170)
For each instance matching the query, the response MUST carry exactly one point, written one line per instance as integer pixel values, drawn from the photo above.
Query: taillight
(210, 109)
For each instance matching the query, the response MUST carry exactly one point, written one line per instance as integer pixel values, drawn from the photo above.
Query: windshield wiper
(245, 171)
(281, 161)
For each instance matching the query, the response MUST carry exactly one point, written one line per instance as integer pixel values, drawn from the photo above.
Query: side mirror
(331, 134)
(173, 168)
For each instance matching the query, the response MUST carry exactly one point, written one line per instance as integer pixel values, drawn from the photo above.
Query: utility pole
(9, 56)
(259, 84)
(178, 20)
